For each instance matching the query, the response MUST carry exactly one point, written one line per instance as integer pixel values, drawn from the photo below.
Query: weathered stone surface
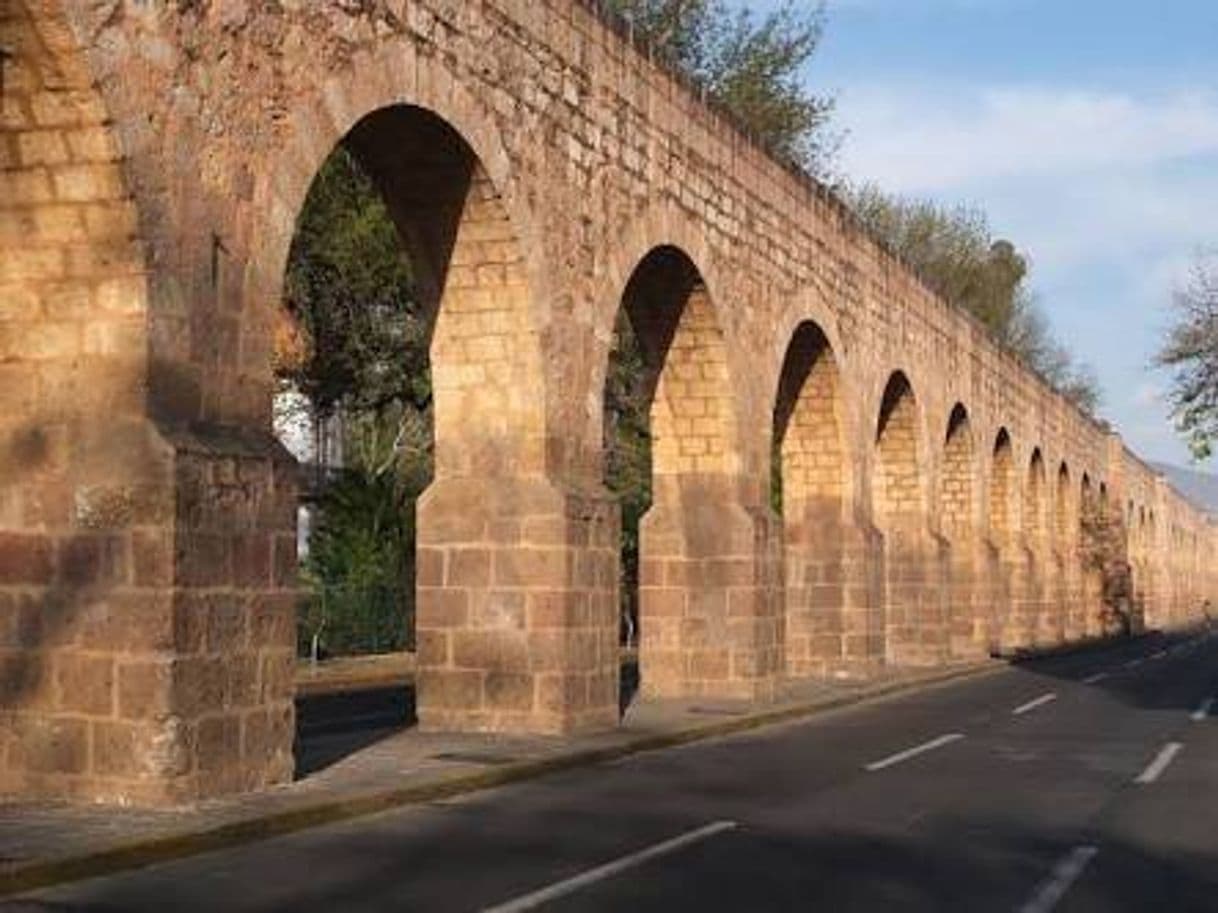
(547, 175)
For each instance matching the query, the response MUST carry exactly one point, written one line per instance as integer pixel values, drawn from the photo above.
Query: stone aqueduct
(545, 173)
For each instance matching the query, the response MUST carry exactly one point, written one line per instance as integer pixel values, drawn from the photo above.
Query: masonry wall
(155, 158)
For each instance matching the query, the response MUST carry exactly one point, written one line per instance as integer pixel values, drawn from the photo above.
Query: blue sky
(1086, 129)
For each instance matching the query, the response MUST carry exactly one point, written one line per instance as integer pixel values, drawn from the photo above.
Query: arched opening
(898, 491)
(1091, 556)
(811, 468)
(1004, 572)
(915, 631)
(408, 335)
(1065, 532)
(1062, 510)
(1034, 518)
(671, 444)
(957, 527)
(1043, 612)
(1002, 491)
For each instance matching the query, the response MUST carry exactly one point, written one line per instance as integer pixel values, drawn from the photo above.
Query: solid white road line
(1160, 763)
(1092, 679)
(1203, 711)
(915, 751)
(600, 873)
(1064, 875)
(1159, 655)
(1033, 704)
(1134, 663)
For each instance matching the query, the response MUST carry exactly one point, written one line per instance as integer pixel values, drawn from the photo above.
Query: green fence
(355, 621)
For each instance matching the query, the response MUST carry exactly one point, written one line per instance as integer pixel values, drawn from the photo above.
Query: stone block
(85, 684)
(26, 559)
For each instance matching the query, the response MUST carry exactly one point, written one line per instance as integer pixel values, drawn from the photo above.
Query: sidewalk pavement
(45, 843)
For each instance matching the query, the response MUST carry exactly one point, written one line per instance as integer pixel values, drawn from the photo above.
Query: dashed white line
(1159, 655)
(608, 870)
(915, 751)
(1203, 711)
(1067, 871)
(1161, 762)
(1034, 703)
(1134, 663)
(1092, 679)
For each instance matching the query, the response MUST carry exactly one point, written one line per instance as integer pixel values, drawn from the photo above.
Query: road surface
(1080, 783)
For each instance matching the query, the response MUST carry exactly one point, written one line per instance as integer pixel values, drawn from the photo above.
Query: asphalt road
(1080, 783)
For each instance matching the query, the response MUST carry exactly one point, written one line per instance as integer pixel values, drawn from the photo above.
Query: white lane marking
(1161, 762)
(915, 751)
(1159, 655)
(1034, 703)
(608, 870)
(1134, 663)
(1067, 871)
(1203, 711)
(1092, 679)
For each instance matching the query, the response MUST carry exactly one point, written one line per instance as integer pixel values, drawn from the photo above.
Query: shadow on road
(331, 727)
(1130, 668)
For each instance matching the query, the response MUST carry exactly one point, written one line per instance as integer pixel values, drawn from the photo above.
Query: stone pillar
(517, 613)
(1019, 630)
(967, 603)
(833, 621)
(146, 630)
(710, 607)
(916, 629)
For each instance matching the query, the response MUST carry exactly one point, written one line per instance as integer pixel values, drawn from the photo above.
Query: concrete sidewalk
(43, 843)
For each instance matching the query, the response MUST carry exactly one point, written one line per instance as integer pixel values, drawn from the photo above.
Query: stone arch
(1065, 544)
(1006, 574)
(811, 458)
(956, 481)
(1042, 610)
(662, 226)
(472, 279)
(1003, 489)
(390, 100)
(915, 627)
(809, 307)
(1090, 509)
(1035, 517)
(956, 513)
(898, 493)
(1063, 509)
(703, 558)
(808, 424)
(487, 572)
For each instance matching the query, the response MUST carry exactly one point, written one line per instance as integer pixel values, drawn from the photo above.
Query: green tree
(957, 255)
(750, 64)
(360, 566)
(354, 343)
(1190, 351)
(350, 289)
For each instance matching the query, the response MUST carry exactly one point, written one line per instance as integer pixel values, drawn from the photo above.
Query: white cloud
(1110, 193)
(932, 138)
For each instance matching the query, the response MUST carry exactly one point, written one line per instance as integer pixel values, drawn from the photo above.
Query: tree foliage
(1190, 350)
(956, 253)
(362, 340)
(751, 64)
(353, 340)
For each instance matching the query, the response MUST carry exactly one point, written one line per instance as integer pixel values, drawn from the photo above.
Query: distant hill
(1199, 487)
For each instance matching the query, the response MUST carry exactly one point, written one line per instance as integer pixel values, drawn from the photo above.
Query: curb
(151, 851)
